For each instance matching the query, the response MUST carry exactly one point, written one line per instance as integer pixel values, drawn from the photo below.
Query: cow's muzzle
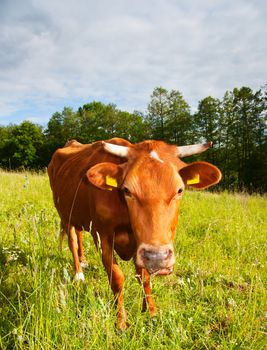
(156, 260)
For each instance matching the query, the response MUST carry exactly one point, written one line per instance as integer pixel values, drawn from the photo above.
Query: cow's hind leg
(73, 245)
(82, 259)
(116, 280)
(148, 301)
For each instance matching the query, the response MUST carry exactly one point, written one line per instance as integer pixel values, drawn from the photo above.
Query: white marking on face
(79, 276)
(154, 155)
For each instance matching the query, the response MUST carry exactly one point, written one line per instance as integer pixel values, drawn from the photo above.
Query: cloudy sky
(66, 53)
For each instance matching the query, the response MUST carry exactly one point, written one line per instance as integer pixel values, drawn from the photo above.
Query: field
(215, 299)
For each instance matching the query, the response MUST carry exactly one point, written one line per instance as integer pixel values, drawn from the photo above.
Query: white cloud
(56, 53)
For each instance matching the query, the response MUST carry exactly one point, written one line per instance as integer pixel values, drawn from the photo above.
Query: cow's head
(153, 179)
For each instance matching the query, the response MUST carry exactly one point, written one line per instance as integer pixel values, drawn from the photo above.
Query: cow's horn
(121, 151)
(185, 151)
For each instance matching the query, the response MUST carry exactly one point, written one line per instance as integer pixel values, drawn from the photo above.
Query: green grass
(215, 299)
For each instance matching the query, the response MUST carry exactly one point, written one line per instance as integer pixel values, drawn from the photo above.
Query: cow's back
(73, 196)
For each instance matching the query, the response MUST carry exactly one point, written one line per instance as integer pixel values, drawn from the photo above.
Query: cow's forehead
(160, 147)
(155, 150)
(152, 174)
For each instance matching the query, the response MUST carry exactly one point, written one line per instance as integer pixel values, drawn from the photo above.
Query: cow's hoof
(79, 277)
(122, 320)
(153, 312)
(122, 325)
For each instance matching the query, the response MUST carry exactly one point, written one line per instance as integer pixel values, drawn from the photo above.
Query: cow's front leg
(116, 280)
(148, 301)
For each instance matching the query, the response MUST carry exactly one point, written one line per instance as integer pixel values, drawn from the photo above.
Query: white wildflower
(232, 302)
(181, 281)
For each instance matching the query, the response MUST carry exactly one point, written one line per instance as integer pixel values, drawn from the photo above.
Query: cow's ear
(200, 175)
(105, 176)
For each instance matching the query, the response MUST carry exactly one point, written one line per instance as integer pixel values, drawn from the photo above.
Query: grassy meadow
(215, 299)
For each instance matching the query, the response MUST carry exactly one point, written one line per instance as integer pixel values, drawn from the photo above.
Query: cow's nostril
(167, 254)
(152, 255)
(170, 252)
(142, 252)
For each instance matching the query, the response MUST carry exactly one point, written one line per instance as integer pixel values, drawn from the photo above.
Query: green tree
(247, 110)
(55, 130)
(130, 126)
(158, 111)
(244, 141)
(207, 125)
(23, 149)
(6, 150)
(227, 143)
(169, 117)
(62, 127)
(99, 121)
(179, 120)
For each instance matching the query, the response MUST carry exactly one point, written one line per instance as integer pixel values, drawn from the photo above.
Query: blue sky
(66, 53)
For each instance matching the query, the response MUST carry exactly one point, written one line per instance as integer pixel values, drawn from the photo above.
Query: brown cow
(128, 196)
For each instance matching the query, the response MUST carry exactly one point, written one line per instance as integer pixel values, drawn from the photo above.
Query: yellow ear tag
(194, 180)
(111, 181)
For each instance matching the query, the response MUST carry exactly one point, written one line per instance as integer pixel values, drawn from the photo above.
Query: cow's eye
(178, 194)
(126, 191)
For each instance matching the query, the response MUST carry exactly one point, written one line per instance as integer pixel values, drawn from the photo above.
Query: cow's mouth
(162, 272)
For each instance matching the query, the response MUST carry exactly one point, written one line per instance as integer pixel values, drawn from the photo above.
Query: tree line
(236, 124)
